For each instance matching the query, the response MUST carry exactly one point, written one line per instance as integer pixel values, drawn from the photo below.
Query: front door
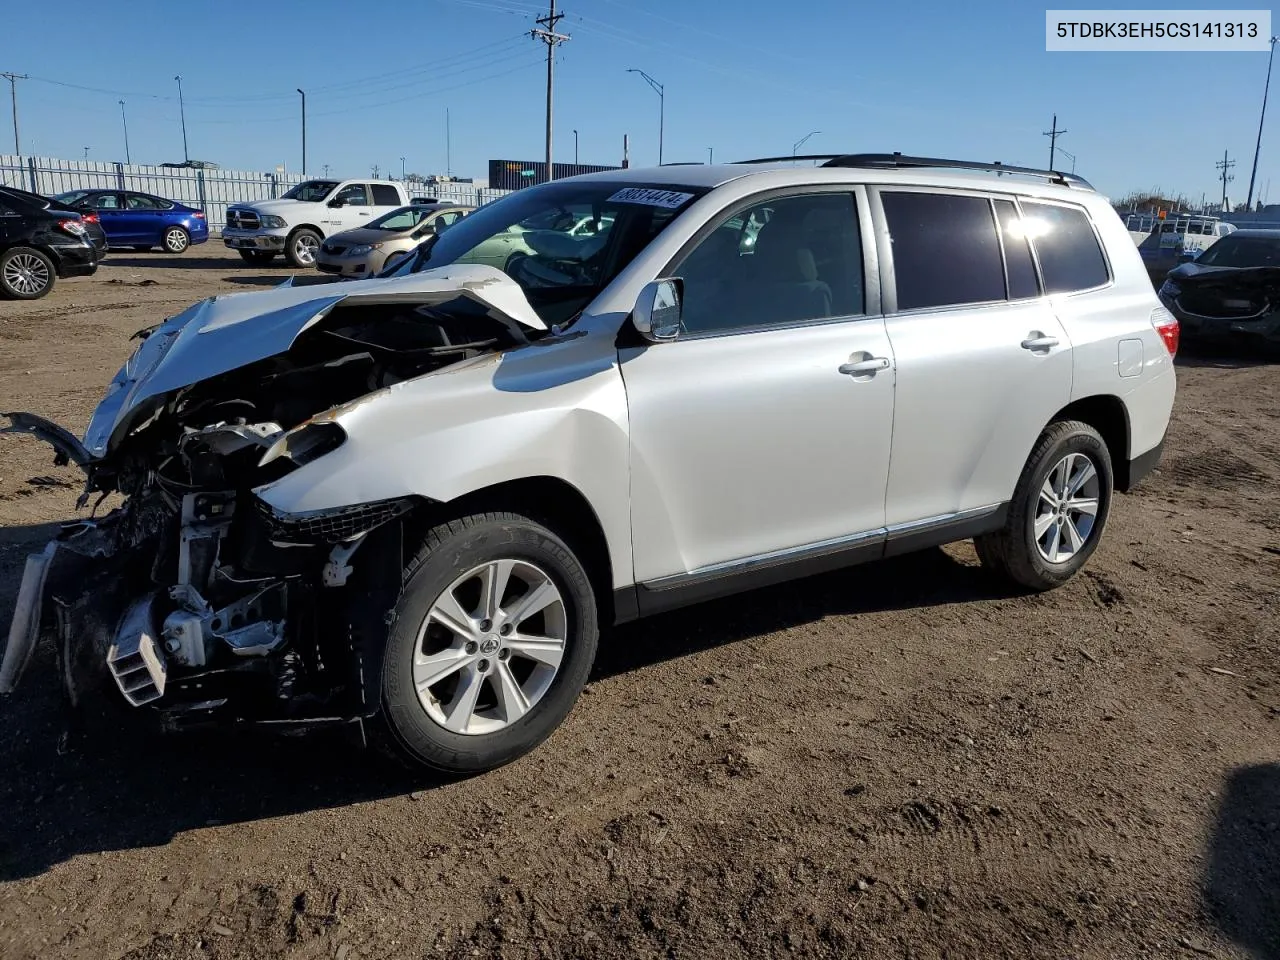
(983, 361)
(762, 433)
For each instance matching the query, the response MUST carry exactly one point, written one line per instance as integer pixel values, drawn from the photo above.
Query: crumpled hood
(1226, 277)
(230, 331)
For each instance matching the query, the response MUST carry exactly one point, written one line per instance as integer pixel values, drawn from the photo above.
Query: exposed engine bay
(193, 595)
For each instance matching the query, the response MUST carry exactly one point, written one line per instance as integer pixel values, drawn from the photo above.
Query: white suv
(413, 502)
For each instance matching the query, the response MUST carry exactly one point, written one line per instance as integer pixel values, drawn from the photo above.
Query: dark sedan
(1231, 292)
(141, 220)
(40, 240)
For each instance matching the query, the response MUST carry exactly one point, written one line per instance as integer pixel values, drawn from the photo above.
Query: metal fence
(207, 190)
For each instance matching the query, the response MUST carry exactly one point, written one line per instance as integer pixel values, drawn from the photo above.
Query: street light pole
(125, 124)
(800, 143)
(1258, 148)
(662, 105)
(710, 155)
(575, 148)
(402, 168)
(182, 113)
(304, 130)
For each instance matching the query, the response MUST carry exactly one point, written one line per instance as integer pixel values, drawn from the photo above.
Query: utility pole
(125, 124)
(183, 114)
(552, 39)
(86, 153)
(1258, 147)
(1224, 165)
(1053, 134)
(13, 79)
(448, 145)
(402, 168)
(662, 105)
(375, 171)
(304, 130)
(326, 170)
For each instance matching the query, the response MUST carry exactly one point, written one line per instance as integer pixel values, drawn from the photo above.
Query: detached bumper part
(135, 659)
(24, 630)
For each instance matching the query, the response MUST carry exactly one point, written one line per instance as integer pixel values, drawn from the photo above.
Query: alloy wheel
(1067, 508)
(305, 247)
(26, 274)
(490, 647)
(175, 241)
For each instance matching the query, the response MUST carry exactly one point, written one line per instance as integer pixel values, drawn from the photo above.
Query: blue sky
(967, 80)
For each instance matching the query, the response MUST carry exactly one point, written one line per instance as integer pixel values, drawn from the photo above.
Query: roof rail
(897, 160)
(807, 156)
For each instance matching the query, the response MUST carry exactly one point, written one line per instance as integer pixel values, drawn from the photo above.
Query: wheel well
(304, 226)
(557, 505)
(1107, 415)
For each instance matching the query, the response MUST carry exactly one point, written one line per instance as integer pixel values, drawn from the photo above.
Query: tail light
(199, 214)
(73, 227)
(88, 218)
(1166, 325)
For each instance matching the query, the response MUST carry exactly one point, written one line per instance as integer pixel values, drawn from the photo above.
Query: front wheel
(1059, 509)
(176, 240)
(25, 274)
(302, 247)
(492, 642)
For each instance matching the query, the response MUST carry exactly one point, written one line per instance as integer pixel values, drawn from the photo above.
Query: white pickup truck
(296, 223)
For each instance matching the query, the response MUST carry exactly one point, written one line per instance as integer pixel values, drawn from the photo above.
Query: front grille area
(243, 220)
(334, 248)
(1228, 306)
(330, 526)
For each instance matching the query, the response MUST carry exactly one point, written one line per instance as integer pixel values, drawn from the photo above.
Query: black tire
(1013, 550)
(448, 551)
(26, 274)
(256, 257)
(297, 238)
(176, 240)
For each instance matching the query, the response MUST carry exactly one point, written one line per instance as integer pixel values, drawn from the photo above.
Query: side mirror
(337, 202)
(658, 308)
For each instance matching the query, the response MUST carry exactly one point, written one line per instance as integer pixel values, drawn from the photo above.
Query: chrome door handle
(865, 366)
(1039, 343)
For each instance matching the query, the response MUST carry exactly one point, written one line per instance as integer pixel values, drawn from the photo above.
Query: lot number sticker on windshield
(653, 198)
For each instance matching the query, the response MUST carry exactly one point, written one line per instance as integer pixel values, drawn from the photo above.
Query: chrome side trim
(760, 561)
(941, 519)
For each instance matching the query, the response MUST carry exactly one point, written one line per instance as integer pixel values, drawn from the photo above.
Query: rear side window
(1017, 253)
(1070, 258)
(384, 195)
(945, 249)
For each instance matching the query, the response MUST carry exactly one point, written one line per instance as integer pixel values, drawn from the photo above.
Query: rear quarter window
(1070, 257)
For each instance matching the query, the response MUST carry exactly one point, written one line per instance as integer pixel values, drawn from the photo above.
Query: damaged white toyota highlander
(410, 502)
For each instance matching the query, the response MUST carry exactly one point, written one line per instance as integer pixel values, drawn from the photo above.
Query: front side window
(945, 249)
(106, 201)
(406, 218)
(1070, 258)
(353, 195)
(529, 236)
(804, 262)
(384, 195)
(310, 191)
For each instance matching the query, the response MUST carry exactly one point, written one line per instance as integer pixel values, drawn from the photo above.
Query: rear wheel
(492, 642)
(259, 257)
(25, 274)
(176, 240)
(302, 247)
(1059, 509)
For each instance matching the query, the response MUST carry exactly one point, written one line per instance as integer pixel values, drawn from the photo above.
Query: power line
(552, 39)
(13, 79)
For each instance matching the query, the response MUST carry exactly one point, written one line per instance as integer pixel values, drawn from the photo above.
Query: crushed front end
(194, 597)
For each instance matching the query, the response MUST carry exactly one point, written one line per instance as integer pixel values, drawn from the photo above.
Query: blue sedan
(140, 220)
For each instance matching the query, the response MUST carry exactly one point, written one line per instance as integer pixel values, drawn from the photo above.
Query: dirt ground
(899, 760)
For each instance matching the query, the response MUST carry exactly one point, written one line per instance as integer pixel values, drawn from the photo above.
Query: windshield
(311, 191)
(1243, 252)
(561, 242)
(406, 218)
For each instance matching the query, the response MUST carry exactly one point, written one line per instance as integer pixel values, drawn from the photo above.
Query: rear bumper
(76, 260)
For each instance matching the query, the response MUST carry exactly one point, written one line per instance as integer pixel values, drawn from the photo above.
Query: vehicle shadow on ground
(1222, 356)
(268, 280)
(1242, 878)
(117, 783)
(171, 261)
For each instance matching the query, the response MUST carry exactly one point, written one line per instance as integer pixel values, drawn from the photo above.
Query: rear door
(983, 362)
(112, 216)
